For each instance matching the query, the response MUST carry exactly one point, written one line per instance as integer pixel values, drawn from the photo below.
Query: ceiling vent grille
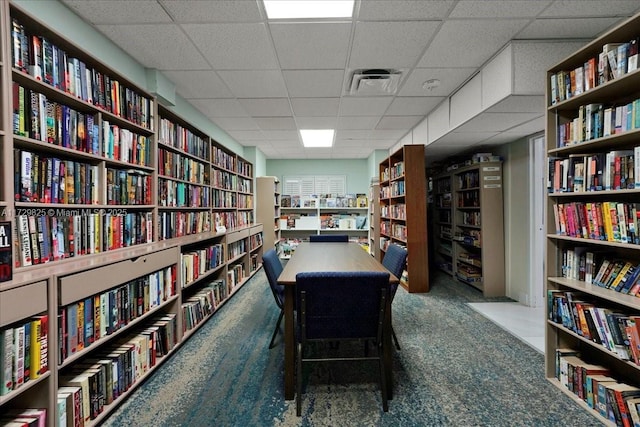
(374, 82)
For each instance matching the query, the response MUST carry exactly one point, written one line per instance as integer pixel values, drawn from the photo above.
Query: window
(308, 185)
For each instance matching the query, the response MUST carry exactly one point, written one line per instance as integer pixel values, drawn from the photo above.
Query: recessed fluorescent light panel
(317, 137)
(301, 9)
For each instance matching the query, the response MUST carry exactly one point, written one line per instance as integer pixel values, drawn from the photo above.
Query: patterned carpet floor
(455, 368)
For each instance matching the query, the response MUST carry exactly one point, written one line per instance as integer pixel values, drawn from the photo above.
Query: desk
(326, 257)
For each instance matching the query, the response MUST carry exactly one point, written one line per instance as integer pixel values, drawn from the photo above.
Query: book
(6, 248)
(6, 360)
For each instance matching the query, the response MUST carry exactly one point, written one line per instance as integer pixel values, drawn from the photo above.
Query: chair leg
(383, 381)
(275, 331)
(299, 380)
(395, 338)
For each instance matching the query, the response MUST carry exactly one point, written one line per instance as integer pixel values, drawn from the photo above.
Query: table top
(329, 256)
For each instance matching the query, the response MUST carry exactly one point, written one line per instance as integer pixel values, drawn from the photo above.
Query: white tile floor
(526, 323)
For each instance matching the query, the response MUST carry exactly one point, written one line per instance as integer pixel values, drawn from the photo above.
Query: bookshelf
(592, 168)
(151, 233)
(442, 215)
(478, 229)
(374, 220)
(268, 209)
(403, 212)
(302, 216)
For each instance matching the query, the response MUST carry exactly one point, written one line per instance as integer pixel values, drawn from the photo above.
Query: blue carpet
(456, 368)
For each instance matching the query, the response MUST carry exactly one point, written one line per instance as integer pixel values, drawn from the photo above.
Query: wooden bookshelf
(442, 216)
(374, 221)
(403, 212)
(268, 209)
(577, 230)
(145, 220)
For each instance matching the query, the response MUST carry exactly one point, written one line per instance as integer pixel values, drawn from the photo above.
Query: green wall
(356, 170)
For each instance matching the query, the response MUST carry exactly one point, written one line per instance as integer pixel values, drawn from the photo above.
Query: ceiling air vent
(375, 82)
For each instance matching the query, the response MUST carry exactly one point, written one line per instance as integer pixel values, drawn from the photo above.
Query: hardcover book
(6, 259)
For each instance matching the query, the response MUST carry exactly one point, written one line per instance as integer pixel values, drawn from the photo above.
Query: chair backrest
(341, 305)
(328, 238)
(272, 268)
(395, 260)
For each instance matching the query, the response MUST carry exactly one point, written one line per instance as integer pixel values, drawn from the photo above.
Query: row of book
(598, 121)
(235, 275)
(198, 262)
(128, 187)
(255, 241)
(177, 165)
(470, 218)
(178, 194)
(24, 417)
(36, 55)
(468, 273)
(173, 224)
(86, 321)
(236, 249)
(224, 180)
(245, 185)
(608, 221)
(43, 179)
(469, 199)
(224, 160)
(469, 179)
(203, 303)
(244, 168)
(346, 201)
(396, 211)
(597, 268)
(396, 189)
(594, 384)
(119, 143)
(614, 61)
(396, 170)
(179, 137)
(54, 235)
(24, 352)
(99, 380)
(342, 222)
(613, 170)
(469, 237)
(617, 331)
(245, 201)
(224, 199)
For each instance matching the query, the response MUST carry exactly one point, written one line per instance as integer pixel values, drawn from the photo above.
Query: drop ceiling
(260, 81)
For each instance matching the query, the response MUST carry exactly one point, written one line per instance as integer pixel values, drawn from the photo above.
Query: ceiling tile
(149, 43)
(274, 135)
(311, 45)
(352, 135)
(581, 8)
(255, 84)
(219, 107)
(478, 39)
(266, 107)
(450, 80)
(317, 122)
(364, 106)
(566, 28)
(358, 122)
(393, 45)
(119, 11)
(198, 84)
(184, 11)
(234, 46)
(391, 10)
(276, 123)
(399, 122)
(311, 83)
(413, 105)
(247, 135)
(311, 107)
(389, 134)
(236, 123)
(498, 9)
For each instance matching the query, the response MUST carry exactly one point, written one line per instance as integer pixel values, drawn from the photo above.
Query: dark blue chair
(328, 238)
(395, 260)
(272, 268)
(340, 306)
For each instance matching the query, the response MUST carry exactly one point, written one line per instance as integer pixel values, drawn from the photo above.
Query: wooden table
(322, 256)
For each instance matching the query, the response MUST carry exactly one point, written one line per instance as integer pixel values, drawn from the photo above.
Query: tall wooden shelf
(166, 236)
(374, 221)
(478, 227)
(586, 197)
(403, 212)
(442, 216)
(268, 209)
